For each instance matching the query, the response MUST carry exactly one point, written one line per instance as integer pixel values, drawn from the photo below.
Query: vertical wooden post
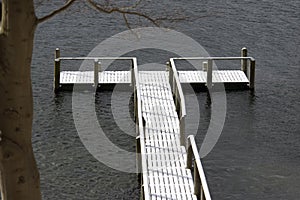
(197, 183)
(142, 193)
(135, 103)
(252, 74)
(170, 75)
(138, 157)
(56, 70)
(182, 130)
(244, 53)
(209, 74)
(202, 194)
(189, 156)
(132, 74)
(96, 71)
(204, 66)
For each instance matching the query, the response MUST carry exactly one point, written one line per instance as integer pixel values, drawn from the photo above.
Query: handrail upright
(201, 189)
(56, 82)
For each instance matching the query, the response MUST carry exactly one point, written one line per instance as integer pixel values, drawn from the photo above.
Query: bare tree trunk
(19, 174)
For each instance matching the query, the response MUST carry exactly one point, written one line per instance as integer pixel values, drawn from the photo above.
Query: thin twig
(120, 10)
(55, 12)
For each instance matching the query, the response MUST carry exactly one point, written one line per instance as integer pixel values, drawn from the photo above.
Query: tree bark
(19, 173)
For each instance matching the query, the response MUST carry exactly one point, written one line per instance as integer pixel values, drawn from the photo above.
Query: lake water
(258, 153)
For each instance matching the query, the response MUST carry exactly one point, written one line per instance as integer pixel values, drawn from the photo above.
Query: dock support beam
(56, 83)
(244, 53)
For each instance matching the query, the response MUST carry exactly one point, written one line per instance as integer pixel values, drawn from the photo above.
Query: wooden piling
(244, 53)
(56, 83)
(252, 74)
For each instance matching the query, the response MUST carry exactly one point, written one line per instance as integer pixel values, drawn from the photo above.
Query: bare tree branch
(55, 12)
(126, 21)
(123, 11)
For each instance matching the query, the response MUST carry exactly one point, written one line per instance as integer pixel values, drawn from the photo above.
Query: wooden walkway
(166, 158)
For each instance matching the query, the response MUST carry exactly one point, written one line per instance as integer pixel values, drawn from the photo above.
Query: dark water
(258, 154)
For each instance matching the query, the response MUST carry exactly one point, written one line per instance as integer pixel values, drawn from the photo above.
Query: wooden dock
(164, 151)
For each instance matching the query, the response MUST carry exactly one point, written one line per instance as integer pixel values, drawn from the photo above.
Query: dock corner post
(252, 74)
(209, 74)
(96, 73)
(244, 53)
(57, 70)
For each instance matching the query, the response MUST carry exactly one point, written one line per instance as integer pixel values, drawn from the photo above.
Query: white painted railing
(178, 97)
(140, 123)
(247, 66)
(201, 189)
(97, 66)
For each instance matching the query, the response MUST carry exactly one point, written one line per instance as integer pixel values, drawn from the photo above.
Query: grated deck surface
(107, 77)
(167, 173)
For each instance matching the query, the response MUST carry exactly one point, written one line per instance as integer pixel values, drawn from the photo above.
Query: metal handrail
(93, 58)
(200, 184)
(179, 98)
(97, 66)
(249, 71)
(140, 124)
(214, 58)
(201, 189)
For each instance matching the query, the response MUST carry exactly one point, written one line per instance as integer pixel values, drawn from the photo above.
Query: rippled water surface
(258, 153)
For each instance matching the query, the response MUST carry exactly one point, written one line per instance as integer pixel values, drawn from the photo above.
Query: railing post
(244, 53)
(252, 74)
(170, 75)
(209, 74)
(202, 194)
(96, 71)
(204, 66)
(132, 74)
(56, 70)
(189, 156)
(138, 157)
(135, 103)
(182, 130)
(197, 183)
